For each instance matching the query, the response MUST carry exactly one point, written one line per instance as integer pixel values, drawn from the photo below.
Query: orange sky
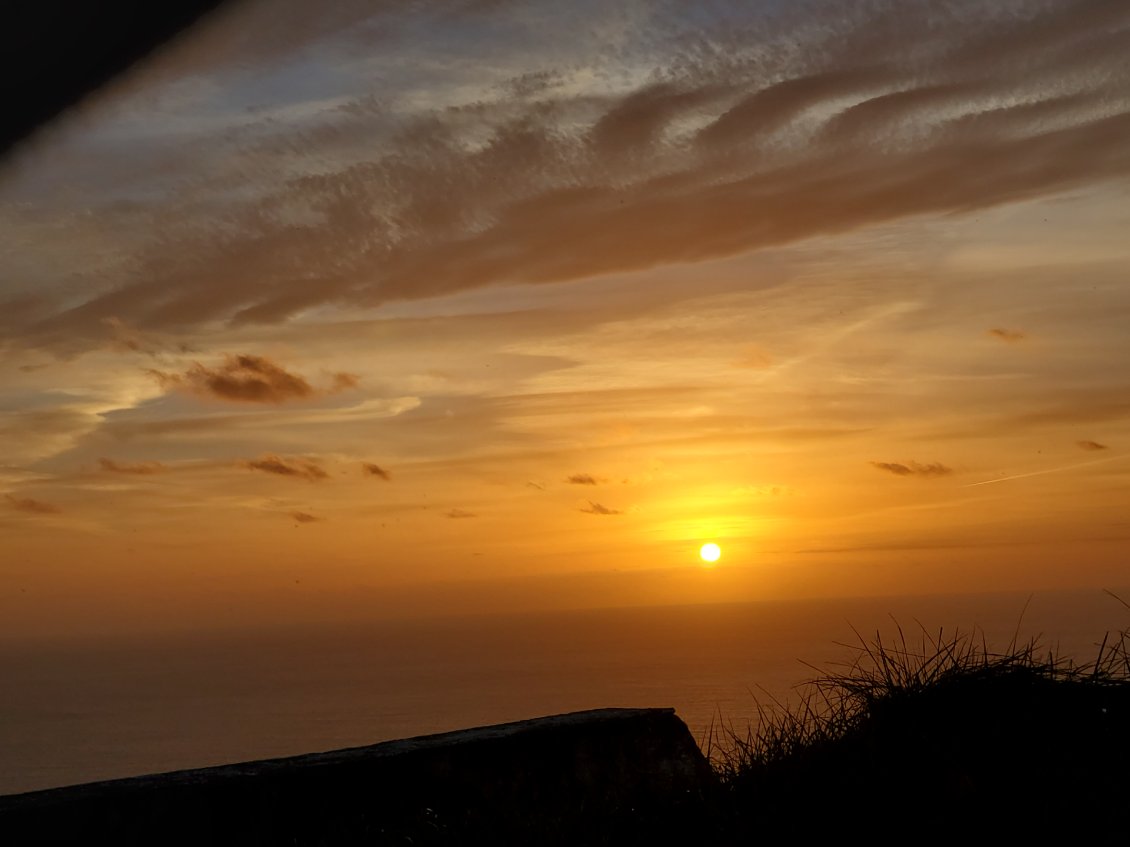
(367, 311)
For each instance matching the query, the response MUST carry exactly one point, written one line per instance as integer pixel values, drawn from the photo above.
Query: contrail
(1102, 461)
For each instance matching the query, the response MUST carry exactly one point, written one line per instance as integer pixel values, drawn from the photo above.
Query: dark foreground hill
(942, 742)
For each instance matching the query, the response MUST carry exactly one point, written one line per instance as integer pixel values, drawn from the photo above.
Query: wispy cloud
(1090, 445)
(914, 468)
(1009, 336)
(33, 507)
(942, 120)
(139, 468)
(369, 469)
(303, 517)
(298, 468)
(246, 378)
(459, 513)
(598, 509)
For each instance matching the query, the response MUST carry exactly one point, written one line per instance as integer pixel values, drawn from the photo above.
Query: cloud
(33, 507)
(140, 468)
(1090, 445)
(1009, 336)
(754, 357)
(369, 469)
(459, 513)
(598, 509)
(914, 469)
(965, 109)
(246, 378)
(125, 339)
(299, 468)
(344, 381)
(581, 479)
(303, 517)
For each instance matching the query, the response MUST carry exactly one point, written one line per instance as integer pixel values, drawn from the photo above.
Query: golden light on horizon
(710, 553)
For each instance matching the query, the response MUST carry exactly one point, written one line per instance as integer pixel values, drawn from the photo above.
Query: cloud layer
(874, 116)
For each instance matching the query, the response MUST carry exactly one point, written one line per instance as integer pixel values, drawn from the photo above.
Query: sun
(710, 552)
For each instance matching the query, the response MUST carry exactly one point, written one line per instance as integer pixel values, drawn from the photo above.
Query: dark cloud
(537, 485)
(914, 469)
(140, 468)
(533, 83)
(1090, 445)
(459, 513)
(33, 507)
(304, 517)
(1010, 336)
(299, 468)
(581, 479)
(969, 108)
(369, 469)
(598, 509)
(246, 378)
(241, 378)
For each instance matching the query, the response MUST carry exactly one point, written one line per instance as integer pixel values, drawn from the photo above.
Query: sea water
(76, 712)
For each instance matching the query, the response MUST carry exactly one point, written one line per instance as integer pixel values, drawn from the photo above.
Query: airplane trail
(1101, 461)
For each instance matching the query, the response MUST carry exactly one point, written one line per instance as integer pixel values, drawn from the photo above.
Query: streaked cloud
(298, 468)
(1009, 336)
(460, 513)
(139, 468)
(1090, 445)
(304, 517)
(31, 506)
(599, 509)
(933, 469)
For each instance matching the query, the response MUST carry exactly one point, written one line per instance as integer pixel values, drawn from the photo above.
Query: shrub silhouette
(937, 740)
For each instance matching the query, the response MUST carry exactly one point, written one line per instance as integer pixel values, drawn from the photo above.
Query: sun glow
(710, 553)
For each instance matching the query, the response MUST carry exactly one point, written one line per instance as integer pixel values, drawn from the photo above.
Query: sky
(362, 309)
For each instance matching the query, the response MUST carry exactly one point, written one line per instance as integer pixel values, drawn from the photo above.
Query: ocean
(73, 712)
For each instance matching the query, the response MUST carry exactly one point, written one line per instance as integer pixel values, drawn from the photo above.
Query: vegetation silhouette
(934, 739)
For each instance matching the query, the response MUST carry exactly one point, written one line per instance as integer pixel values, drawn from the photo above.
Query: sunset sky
(359, 309)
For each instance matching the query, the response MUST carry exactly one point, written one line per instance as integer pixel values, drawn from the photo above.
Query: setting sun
(710, 553)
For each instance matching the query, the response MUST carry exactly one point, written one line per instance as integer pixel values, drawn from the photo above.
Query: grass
(938, 738)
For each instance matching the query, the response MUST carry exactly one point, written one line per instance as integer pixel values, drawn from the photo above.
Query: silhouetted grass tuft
(943, 734)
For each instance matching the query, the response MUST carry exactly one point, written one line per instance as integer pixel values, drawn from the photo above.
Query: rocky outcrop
(609, 776)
